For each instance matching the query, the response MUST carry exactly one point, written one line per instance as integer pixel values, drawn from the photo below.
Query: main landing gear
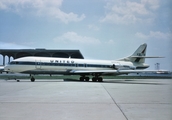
(84, 78)
(97, 78)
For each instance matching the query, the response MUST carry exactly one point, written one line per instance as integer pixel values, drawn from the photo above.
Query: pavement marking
(115, 102)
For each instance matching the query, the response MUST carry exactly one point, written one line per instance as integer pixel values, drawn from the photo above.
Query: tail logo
(140, 54)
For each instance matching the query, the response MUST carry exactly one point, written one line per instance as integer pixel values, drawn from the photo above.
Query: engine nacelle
(132, 67)
(128, 67)
(123, 67)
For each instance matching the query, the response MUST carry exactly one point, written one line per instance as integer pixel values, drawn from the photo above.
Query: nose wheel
(32, 79)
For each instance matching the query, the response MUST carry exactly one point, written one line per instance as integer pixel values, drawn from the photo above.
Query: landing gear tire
(81, 78)
(100, 79)
(87, 79)
(32, 79)
(84, 78)
(94, 79)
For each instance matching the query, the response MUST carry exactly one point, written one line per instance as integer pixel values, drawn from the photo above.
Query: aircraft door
(38, 64)
(85, 65)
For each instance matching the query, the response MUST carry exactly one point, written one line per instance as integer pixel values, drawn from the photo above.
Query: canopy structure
(17, 53)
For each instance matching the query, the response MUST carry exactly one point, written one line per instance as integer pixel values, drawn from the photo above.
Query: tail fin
(139, 55)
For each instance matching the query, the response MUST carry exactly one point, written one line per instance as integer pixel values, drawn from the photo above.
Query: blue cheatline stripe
(59, 64)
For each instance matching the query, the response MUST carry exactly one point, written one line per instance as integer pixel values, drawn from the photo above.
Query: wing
(94, 71)
(117, 72)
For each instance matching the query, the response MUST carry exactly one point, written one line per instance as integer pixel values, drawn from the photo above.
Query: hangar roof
(17, 53)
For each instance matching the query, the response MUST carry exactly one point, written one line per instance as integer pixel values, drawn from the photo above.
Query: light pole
(157, 66)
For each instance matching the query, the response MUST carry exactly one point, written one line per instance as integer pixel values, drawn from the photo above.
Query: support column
(8, 59)
(3, 60)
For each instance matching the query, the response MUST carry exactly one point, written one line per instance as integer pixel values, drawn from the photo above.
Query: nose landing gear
(32, 79)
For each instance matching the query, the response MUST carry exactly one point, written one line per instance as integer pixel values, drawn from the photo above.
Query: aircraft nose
(7, 68)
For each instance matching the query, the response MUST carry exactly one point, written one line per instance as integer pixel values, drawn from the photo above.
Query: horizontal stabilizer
(146, 57)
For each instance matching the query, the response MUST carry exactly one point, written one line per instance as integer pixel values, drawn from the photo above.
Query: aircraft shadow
(119, 82)
(122, 81)
(134, 82)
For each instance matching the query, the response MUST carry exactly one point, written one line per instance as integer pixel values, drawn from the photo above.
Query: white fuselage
(50, 65)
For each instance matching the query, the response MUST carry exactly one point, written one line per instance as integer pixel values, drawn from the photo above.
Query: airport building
(17, 53)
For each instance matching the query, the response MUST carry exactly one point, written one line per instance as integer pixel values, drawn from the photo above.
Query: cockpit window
(13, 63)
(21, 63)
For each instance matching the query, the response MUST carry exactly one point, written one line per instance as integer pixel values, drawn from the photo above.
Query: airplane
(32, 65)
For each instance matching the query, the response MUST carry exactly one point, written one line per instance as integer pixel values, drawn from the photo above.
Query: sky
(100, 29)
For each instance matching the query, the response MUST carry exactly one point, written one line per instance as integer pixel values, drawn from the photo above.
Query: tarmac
(139, 99)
